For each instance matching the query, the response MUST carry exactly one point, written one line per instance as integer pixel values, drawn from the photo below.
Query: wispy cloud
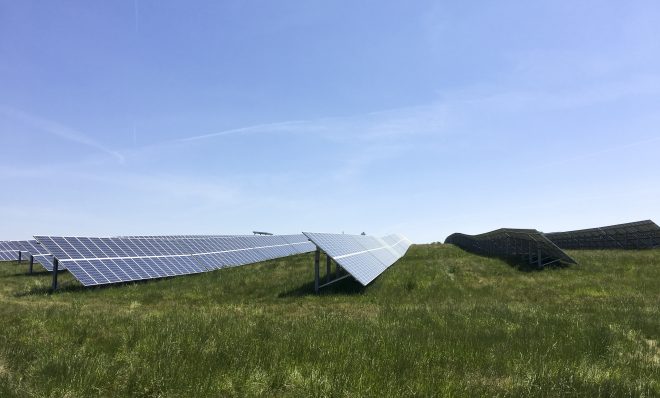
(366, 139)
(362, 139)
(432, 118)
(290, 126)
(59, 130)
(162, 186)
(386, 124)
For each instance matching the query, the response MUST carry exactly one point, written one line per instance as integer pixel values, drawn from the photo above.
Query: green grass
(439, 322)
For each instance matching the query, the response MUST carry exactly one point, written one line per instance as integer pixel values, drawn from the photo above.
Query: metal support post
(317, 260)
(328, 263)
(55, 266)
(31, 263)
(20, 257)
(540, 259)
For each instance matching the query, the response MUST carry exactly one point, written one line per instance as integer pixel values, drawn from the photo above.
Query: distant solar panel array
(634, 235)
(528, 245)
(39, 254)
(100, 261)
(26, 250)
(363, 257)
(173, 237)
(10, 250)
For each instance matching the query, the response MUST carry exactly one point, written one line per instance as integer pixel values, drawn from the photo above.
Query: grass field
(439, 322)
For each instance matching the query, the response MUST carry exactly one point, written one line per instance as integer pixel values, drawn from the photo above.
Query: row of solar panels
(364, 257)
(100, 261)
(542, 249)
(528, 245)
(634, 235)
(19, 250)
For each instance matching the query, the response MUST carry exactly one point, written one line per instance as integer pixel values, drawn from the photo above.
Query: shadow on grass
(41, 290)
(348, 286)
(34, 274)
(522, 265)
(73, 286)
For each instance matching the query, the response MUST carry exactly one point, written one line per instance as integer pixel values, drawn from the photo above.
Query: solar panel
(8, 256)
(99, 261)
(634, 235)
(21, 245)
(527, 244)
(363, 257)
(9, 250)
(300, 243)
(40, 254)
(174, 237)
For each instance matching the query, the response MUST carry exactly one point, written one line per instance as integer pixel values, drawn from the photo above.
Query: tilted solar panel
(363, 257)
(300, 243)
(634, 235)
(174, 237)
(8, 256)
(21, 245)
(9, 250)
(529, 244)
(98, 261)
(40, 255)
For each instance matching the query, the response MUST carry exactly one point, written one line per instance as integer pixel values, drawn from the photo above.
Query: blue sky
(423, 118)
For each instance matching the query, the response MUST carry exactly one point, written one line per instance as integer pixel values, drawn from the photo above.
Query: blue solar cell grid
(39, 254)
(336, 244)
(97, 261)
(363, 267)
(8, 255)
(364, 257)
(9, 250)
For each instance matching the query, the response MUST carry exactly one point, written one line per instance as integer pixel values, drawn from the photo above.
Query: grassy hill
(439, 322)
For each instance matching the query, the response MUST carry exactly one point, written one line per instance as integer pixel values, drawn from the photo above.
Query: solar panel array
(527, 244)
(299, 242)
(39, 254)
(173, 237)
(9, 250)
(634, 235)
(364, 257)
(99, 261)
